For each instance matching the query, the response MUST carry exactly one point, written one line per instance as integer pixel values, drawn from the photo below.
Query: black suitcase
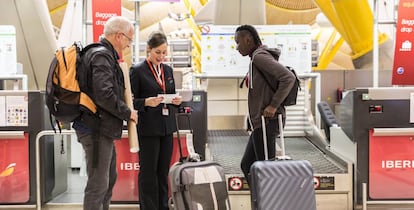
(283, 184)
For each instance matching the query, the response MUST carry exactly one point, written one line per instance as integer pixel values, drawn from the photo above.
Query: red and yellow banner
(403, 69)
(102, 10)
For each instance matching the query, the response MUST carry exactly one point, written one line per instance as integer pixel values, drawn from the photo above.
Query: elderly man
(97, 133)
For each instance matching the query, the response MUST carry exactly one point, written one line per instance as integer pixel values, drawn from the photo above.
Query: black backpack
(291, 98)
(65, 95)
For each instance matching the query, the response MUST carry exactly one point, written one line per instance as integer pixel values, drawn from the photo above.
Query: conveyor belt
(227, 147)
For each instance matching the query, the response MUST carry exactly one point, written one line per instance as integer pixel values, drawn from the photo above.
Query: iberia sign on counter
(126, 186)
(391, 167)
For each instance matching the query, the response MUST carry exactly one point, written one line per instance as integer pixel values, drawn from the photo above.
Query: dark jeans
(154, 161)
(255, 148)
(102, 178)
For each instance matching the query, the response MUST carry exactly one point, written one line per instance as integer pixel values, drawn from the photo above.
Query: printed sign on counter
(14, 110)
(8, 56)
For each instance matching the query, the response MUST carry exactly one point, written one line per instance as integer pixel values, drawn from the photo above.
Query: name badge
(165, 111)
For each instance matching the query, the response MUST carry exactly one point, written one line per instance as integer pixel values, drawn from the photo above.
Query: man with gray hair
(97, 132)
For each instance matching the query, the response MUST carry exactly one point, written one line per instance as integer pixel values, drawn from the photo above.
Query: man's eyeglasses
(129, 39)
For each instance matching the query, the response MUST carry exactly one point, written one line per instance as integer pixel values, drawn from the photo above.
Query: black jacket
(106, 88)
(151, 122)
(264, 63)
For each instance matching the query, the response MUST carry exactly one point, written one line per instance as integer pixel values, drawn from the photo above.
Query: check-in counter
(23, 114)
(379, 123)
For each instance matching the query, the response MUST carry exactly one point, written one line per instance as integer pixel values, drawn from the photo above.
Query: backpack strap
(53, 124)
(90, 46)
(64, 58)
(294, 73)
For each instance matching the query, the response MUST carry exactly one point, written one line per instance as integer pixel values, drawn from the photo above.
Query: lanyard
(159, 75)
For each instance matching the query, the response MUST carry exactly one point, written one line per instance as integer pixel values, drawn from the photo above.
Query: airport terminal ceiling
(276, 12)
(155, 15)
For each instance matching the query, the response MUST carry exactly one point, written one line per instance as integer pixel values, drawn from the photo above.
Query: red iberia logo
(8, 171)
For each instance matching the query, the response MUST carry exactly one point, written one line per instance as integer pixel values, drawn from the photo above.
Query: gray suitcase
(199, 185)
(282, 184)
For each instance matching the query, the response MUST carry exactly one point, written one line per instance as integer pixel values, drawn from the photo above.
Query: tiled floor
(74, 193)
(72, 199)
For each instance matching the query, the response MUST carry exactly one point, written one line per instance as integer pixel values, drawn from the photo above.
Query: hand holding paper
(170, 98)
(177, 100)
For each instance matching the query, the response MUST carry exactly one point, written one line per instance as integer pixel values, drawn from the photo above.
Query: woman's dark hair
(252, 31)
(156, 39)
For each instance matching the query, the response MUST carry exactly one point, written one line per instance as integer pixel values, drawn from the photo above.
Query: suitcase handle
(266, 152)
(282, 139)
(177, 115)
(282, 135)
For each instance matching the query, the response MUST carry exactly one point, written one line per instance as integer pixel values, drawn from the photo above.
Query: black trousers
(255, 148)
(154, 160)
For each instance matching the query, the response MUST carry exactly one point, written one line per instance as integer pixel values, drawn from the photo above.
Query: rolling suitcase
(197, 185)
(282, 184)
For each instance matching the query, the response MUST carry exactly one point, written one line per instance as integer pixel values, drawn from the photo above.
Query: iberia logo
(8, 171)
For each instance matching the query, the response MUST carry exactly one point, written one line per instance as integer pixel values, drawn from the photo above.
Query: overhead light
(178, 16)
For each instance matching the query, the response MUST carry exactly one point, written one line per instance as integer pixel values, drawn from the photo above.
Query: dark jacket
(151, 122)
(106, 88)
(264, 63)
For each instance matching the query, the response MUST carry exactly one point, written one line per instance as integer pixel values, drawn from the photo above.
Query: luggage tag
(192, 155)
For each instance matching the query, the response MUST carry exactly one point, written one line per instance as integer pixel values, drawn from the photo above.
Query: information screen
(219, 56)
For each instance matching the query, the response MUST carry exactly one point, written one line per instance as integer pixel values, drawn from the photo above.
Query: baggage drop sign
(403, 69)
(102, 10)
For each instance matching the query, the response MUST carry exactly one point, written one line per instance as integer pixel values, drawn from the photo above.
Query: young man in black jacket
(264, 70)
(107, 91)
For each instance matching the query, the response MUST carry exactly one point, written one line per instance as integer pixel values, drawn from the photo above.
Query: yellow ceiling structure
(57, 11)
(277, 12)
